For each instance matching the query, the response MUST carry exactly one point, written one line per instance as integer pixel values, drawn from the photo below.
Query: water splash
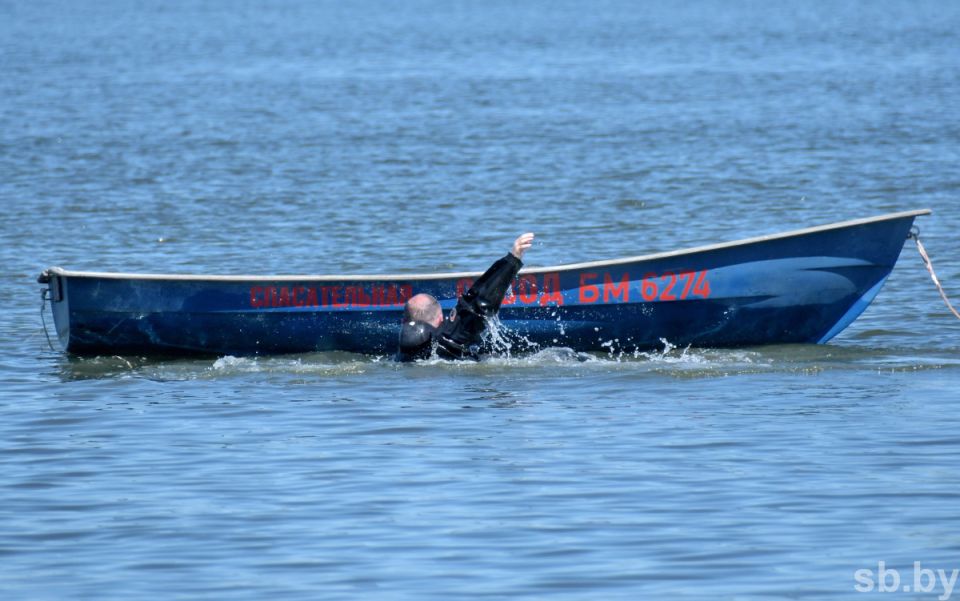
(231, 363)
(501, 341)
(516, 352)
(319, 364)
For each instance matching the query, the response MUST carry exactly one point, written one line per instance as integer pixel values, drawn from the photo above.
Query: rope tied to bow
(915, 235)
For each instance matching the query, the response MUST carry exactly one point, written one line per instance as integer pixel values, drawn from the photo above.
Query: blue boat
(803, 286)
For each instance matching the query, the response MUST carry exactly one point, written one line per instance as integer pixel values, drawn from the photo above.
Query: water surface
(380, 137)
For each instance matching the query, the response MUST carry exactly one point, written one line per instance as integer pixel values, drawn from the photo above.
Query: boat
(802, 286)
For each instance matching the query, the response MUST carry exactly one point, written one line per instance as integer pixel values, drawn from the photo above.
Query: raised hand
(521, 244)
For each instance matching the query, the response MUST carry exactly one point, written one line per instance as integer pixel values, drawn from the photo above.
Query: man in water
(458, 337)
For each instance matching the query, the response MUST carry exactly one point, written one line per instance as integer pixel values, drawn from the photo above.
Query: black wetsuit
(459, 336)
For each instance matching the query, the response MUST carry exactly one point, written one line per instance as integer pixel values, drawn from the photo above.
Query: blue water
(328, 137)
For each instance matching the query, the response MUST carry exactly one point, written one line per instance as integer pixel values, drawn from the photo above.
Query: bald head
(425, 308)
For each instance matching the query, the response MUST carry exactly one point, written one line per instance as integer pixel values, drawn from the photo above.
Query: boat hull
(798, 287)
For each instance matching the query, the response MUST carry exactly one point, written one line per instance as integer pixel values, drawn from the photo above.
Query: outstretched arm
(486, 294)
(482, 300)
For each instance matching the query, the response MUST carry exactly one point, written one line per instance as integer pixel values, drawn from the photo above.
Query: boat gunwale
(59, 271)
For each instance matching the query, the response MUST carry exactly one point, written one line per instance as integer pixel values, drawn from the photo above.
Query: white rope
(43, 306)
(933, 275)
